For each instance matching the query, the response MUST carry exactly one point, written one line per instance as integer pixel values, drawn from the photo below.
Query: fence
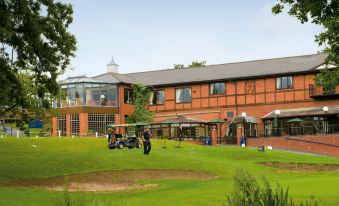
(294, 130)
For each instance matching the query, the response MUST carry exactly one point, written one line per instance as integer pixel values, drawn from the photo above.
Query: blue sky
(147, 35)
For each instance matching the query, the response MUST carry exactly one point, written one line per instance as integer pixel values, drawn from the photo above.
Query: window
(98, 123)
(217, 88)
(61, 124)
(75, 124)
(157, 97)
(230, 115)
(284, 82)
(183, 95)
(128, 96)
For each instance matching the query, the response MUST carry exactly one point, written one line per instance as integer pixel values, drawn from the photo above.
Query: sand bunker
(107, 180)
(303, 166)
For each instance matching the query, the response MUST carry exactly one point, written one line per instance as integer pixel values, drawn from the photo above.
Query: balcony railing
(78, 102)
(319, 92)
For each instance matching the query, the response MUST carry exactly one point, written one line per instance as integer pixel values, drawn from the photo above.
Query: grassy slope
(52, 157)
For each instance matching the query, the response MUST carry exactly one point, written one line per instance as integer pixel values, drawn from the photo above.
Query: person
(147, 142)
(110, 135)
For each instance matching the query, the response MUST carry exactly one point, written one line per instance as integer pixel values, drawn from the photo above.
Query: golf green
(30, 158)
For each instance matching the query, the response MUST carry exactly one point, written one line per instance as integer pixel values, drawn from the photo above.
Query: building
(271, 92)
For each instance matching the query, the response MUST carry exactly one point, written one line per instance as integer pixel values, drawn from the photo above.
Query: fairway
(49, 157)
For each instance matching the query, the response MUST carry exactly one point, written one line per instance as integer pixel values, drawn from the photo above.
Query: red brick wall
(296, 143)
(237, 94)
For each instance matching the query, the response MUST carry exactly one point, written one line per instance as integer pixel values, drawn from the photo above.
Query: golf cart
(129, 139)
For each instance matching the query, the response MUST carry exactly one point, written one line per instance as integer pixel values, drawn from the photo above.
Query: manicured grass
(54, 157)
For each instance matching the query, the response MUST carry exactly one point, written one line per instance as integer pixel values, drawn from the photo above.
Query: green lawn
(54, 157)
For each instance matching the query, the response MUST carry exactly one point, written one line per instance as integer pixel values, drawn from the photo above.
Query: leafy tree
(34, 41)
(141, 96)
(326, 14)
(197, 64)
(179, 66)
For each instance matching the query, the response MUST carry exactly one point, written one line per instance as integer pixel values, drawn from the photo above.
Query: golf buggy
(130, 139)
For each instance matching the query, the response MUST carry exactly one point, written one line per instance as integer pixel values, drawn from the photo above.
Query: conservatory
(84, 91)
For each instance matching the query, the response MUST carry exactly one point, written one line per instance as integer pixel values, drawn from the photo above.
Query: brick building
(268, 91)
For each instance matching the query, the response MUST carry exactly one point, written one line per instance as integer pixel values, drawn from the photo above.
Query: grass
(54, 157)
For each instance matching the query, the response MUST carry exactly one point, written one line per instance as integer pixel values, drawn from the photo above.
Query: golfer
(110, 135)
(147, 142)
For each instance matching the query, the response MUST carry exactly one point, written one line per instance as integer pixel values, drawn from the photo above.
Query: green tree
(179, 66)
(34, 41)
(141, 96)
(197, 64)
(326, 14)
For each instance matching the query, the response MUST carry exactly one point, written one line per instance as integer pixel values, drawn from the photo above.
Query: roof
(112, 62)
(80, 79)
(230, 71)
(303, 112)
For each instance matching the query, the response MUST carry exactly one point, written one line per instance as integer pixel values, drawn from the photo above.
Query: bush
(247, 192)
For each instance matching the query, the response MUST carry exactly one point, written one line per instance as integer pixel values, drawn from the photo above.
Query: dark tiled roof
(239, 70)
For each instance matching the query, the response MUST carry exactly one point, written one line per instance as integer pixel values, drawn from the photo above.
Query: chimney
(112, 66)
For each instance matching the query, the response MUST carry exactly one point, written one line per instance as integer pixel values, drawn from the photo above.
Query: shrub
(247, 192)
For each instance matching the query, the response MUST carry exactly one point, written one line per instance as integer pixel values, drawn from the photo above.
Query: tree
(141, 96)
(34, 41)
(197, 64)
(326, 14)
(179, 66)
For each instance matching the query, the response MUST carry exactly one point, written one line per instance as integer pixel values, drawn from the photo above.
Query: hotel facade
(263, 90)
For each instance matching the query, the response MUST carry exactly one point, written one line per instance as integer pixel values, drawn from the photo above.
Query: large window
(98, 123)
(217, 88)
(61, 124)
(128, 96)
(75, 124)
(88, 94)
(284, 82)
(183, 95)
(157, 97)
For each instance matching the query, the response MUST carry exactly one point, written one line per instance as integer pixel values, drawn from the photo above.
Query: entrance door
(231, 133)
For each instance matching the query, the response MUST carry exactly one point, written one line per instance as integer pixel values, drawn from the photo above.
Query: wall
(240, 93)
(326, 144)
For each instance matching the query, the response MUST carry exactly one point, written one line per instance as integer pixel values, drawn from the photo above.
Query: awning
(303, 112)
(181, 120)
(248, 119)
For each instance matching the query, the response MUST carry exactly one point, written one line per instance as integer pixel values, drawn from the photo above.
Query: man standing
(147, 142)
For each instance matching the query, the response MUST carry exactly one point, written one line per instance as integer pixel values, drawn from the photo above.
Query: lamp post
(277, 113)
(243, 115)
(325, 109)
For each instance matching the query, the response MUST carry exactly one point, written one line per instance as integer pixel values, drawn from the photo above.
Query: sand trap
(107, 180)
(303, 166)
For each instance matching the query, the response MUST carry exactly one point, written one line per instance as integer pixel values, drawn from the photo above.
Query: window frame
(281, 82)
(214, 84)
(183, 87)
(154, 102)
(131, 97)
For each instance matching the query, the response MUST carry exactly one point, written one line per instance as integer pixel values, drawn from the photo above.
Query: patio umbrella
(141, 124)
(295, 120)
(216, 121)
(169, 122)
(275, 124)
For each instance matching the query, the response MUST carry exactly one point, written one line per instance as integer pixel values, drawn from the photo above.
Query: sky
(144, 35)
